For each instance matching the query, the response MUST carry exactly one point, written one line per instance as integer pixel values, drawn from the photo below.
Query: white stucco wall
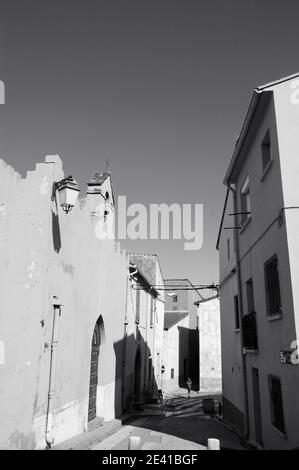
(262, 238)
(209, 346)
(45, 252)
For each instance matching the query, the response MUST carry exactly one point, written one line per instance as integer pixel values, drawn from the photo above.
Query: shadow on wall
(135, 371)
(188, 357)
(134, 383)
(56, 233)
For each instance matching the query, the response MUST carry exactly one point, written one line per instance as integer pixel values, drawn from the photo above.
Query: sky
(160, 88)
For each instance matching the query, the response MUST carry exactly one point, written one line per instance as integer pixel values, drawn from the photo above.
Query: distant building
(181, 340)
(143, 330)
(210, 373)
(259, 271)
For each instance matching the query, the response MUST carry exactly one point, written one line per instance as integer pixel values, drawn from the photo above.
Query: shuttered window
(277, 415)
(237, 315)
(272, 286)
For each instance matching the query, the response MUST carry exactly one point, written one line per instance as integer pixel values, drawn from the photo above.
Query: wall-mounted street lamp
(68, 193)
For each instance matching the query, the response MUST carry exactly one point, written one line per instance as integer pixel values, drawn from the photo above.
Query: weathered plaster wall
(139, 337)
(210, 346)
(267, 200)
(231, 354)
(159, 326)
(286, 98)
(45, 252)
(262, 238)
(146, 337)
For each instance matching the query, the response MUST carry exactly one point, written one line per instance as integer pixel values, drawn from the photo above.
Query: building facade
(65, 310)
(144, 331)
(181, 338)
(258, 247)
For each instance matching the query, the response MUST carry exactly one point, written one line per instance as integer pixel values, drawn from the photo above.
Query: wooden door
(93, 384)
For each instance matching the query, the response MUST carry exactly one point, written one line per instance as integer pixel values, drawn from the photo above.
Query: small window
(245, 202)
(277, 415)
(237, 315)
(172, 373)
(175, 298)
(228, 249)
(250, 296)
(266, 150)
(272, 286)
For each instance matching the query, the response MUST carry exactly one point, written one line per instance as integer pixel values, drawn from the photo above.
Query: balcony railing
(249, 329)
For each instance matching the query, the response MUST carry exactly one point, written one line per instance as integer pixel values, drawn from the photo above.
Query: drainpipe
(239, 280)
(129, 276)
(51, 392)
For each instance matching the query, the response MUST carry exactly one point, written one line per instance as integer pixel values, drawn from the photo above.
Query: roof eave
(244, 131)
(248, 119)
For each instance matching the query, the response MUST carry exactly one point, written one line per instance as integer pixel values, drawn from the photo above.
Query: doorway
(97, 339)
(257, 407)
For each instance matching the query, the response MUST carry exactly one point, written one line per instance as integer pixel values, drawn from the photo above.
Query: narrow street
(181, 425)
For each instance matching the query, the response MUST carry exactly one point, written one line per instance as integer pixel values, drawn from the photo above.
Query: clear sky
(158, 87)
